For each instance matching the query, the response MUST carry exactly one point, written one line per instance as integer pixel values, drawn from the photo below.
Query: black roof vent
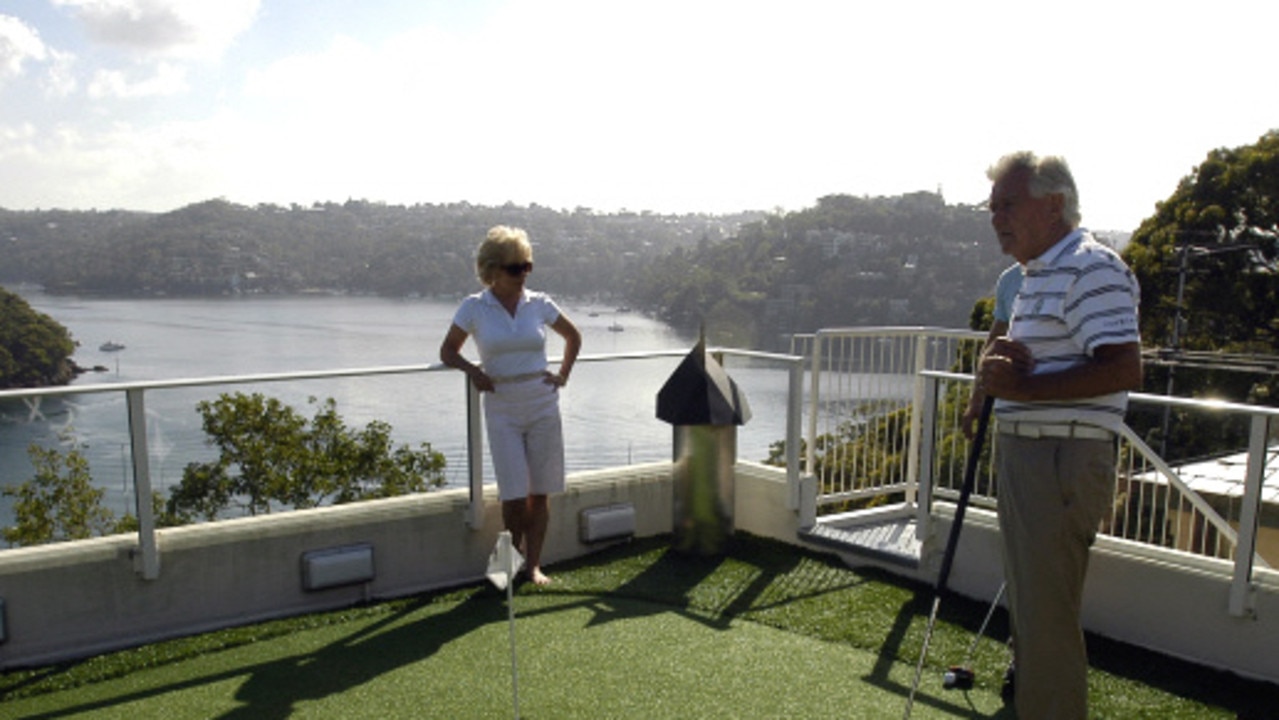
(699, 392)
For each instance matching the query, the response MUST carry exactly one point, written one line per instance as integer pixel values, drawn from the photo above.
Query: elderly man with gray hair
(1060, 380)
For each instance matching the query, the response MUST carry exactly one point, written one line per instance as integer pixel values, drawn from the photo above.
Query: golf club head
(958, 678)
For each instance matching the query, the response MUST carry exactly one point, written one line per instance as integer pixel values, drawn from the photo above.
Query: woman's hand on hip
(481, 380)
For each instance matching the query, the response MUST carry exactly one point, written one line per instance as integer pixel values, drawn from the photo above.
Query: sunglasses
(518, 269)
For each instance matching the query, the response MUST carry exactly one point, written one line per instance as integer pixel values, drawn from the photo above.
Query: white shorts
(526, 438)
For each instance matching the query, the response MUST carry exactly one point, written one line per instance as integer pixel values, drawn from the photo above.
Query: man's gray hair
(1049, 175)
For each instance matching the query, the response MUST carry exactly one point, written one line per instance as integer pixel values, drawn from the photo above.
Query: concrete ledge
(760, 502)
(82, 598)
(1160, 599)
(79, 599)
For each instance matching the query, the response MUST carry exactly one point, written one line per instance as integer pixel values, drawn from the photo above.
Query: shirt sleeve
(1101, 307)
(465, 316)
(550, 311)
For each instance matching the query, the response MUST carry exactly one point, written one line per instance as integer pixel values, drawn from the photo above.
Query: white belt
(518, 378)
(1074, 431)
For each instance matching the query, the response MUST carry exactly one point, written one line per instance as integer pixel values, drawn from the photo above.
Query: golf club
(948, 556)
(962, 677)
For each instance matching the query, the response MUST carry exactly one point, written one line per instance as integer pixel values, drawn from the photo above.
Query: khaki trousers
(1053, 494)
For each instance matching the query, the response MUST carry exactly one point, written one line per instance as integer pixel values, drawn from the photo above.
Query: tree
(59, 503)
(1214, 243)
(1225, 217)
(34, 348)
(272, 457)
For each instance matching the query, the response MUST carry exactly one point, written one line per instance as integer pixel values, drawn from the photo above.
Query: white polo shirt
(508, 345)
(1076, 297)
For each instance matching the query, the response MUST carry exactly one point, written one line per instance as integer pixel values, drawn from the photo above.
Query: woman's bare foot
(538, 577)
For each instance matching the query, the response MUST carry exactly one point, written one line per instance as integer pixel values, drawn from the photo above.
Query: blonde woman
(521, 395)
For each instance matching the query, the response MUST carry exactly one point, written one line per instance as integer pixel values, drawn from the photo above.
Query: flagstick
(510, 612)
(504, 562)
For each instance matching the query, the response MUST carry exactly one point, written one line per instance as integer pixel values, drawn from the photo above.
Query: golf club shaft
(923, 654)
(965, 492)
(972, 647)
(948, 556)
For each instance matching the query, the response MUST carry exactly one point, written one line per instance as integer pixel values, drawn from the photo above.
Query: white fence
(884, 414)
(782, 370)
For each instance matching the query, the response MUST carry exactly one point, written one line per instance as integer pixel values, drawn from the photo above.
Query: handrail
(167, 384)
(856, 360)
(147, 557)
(1243, 541)
(1219, 523)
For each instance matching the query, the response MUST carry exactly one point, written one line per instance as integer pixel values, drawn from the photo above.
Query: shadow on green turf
(759, 580)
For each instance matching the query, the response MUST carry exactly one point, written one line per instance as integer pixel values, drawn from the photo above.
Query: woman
(521, 405)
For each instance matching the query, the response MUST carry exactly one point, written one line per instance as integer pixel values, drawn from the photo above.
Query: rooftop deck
(634, 631)
(1174, 576)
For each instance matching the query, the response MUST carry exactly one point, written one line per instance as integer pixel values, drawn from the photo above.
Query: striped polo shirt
(1077, 296)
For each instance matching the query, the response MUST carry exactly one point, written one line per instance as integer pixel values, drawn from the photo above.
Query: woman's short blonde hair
(503, 246)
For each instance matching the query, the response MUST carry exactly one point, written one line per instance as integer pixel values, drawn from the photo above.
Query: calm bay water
(608, 407)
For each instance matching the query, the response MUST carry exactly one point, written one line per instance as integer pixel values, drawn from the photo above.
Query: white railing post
(147, 561)
(474, 457)
(927, 427)
(794, 412)
(916, 422)
(1245, 550)
(815, 380)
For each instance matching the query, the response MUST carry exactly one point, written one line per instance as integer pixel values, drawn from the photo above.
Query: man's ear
(1058, 204)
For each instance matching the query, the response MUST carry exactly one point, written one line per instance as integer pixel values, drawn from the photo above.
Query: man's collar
(1050, 256)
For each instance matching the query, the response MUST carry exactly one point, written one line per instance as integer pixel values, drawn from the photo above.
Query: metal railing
(141, 450)
(862, 441)
(879, 424)
(148, 555)
(884, 416)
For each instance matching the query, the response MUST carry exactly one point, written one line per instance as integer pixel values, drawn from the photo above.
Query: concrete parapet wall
(760, 503)
(1156, 598)
(77, 599)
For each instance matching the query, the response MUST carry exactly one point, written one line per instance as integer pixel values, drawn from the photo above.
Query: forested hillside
(35, 350)
(1206, 261)
(908, 260)
(749, 277)
(216, 247)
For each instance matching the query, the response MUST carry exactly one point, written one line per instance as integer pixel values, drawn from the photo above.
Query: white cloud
(167, 28)
(60, 81)
(159, 167)
(18, 44)
(16, 138)
(652, 104)
(167, 79)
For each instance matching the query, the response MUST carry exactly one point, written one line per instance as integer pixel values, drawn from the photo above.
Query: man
(1061, 380)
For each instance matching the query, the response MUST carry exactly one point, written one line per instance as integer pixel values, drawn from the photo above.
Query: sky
(668, 106)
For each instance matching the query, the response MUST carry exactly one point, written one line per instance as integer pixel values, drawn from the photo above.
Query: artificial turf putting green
(635, 631)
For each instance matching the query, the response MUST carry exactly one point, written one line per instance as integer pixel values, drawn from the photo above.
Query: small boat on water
(615, 327)
(110, 346)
